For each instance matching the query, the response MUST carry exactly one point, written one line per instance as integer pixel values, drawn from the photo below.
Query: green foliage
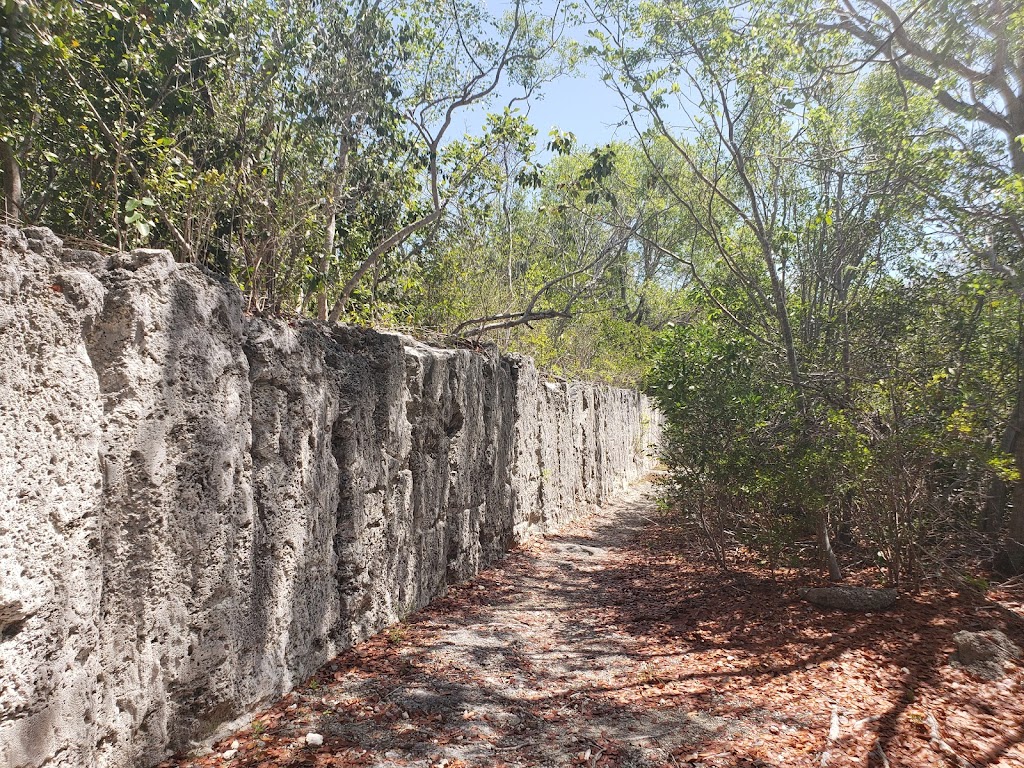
(835, 369)
(291, 146)
(732, 436)
(901, 459)
(814, 268)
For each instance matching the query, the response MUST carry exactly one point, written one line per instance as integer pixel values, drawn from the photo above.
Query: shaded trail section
(614, 644)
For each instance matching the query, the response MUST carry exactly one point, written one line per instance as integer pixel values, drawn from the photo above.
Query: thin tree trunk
(340, 175)
(321, 296)
(843, 283)
(371, 261)
(13, 199)
(992, 516)
(1012, 442)
(1014, 542)
(1013, 547)
(835, 573)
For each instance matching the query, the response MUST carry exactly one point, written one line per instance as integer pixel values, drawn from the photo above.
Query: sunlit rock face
(198, 509)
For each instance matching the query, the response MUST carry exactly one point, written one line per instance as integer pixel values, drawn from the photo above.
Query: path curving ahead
(603, 646)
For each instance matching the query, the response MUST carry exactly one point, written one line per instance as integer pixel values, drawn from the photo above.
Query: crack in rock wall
(197, 509)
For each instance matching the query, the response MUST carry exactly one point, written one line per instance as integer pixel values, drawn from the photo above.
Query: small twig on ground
(940, 745)
(833, 736)
(879, 753)
(511, 747)
(859, 724)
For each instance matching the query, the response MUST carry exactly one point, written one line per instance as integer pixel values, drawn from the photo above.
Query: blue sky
(583, 105)
(579, 103)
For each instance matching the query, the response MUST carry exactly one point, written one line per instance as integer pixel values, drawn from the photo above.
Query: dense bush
(901, 458)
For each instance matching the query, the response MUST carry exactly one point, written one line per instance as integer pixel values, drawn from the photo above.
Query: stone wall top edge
(287, 334)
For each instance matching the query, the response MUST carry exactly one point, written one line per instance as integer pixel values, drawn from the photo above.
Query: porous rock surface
(985, 654)
(198, 509)
(850, 598)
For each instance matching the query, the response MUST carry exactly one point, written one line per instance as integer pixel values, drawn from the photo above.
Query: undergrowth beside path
(616, 644)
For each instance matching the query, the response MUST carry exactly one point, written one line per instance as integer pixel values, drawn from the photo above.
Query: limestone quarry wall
(198, 509)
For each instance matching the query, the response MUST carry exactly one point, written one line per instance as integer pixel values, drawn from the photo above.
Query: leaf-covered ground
(614, 644)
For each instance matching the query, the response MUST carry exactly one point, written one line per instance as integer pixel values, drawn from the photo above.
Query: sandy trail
(615, 643)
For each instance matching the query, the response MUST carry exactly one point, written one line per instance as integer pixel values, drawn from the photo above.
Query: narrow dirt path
(605, 646)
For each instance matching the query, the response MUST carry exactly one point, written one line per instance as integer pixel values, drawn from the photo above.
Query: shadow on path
(613, 645)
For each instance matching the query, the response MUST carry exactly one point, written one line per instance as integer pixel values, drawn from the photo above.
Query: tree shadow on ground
(618, 645)
(748, 629)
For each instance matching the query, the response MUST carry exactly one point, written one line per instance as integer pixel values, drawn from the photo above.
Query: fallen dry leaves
(617, 644)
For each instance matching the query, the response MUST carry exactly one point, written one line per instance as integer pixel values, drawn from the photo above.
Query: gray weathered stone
(985, 654)
(197, 510)
(851, 598)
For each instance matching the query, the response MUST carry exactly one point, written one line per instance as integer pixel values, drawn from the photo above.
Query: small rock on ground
(985, 654)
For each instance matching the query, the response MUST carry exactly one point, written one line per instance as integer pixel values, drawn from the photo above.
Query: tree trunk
(321, 296)
(13, 199)
(828, 555)
(1011, 560)
(371, 261)
(992, 515)
(843, 279)
(835, 573)
(340, 176)
(1013, 546)
(1014, 542)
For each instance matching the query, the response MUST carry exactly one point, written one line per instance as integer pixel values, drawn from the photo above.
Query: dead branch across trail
(940, 745)
(482, 325)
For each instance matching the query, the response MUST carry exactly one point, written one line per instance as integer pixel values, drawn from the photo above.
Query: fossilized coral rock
(850, 598)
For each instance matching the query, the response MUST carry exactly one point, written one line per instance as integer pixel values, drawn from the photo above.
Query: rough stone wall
(197, 510)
